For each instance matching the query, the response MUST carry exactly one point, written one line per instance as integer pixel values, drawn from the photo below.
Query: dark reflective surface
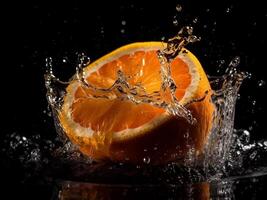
(247, 187)
(34, 31)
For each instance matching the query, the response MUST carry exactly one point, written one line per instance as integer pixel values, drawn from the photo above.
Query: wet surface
(34, 32)
(247, 187)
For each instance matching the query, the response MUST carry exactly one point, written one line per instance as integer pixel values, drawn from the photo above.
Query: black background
(32, 32)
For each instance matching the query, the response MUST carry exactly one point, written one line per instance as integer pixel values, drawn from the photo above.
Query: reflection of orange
(127, 132)
(70, 190)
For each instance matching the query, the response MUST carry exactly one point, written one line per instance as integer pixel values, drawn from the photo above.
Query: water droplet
(261, 83)
(228, 10)
(37, 137)
(244, 137)
(221, 62)
(260, 144)
(178, 8)
(255, 180)
(254, 102)
(248, 75)
(102, 30)
(195, 20)
(253, 155)
(35, 155)
(64, 60)
(175, 22)
(246, 133)
(235, 61)
(146, 160)
(123, 22)
(186, 134)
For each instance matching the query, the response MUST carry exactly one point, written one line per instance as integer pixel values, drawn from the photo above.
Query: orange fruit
(123, 131)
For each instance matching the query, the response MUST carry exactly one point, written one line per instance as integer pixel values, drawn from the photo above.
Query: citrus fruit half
(123, 131)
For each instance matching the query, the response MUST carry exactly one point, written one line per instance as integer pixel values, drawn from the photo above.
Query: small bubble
(162, 38)
(24, 138)
(178, 8)
(45, 160)
(195, 20)
(207, 10)
(155, 148)
(186, 135)
(146, 160)
(261, 83)
(145, 150)
(260, 144)
(175, 22)
(49, 114)
(235, 61)
(122, 30)
(64, 60)
(205, 26)
(247, 133)
(248, 75)
(220, 65)
(265, 143)
(37, 137)
(35, 155)
(255, 180)
(123, 22)
(102, 30)
(228, 10)
(245, 137)
(254, 102)
(253, 155)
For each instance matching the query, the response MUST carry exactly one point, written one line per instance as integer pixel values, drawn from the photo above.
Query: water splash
(225, 93)
(123, 89)
(220, 147)
(226, 147)
(228, 152)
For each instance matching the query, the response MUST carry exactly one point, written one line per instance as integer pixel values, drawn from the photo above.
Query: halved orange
(123, 131)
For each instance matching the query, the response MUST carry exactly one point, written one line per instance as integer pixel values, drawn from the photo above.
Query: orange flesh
(116, 115)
